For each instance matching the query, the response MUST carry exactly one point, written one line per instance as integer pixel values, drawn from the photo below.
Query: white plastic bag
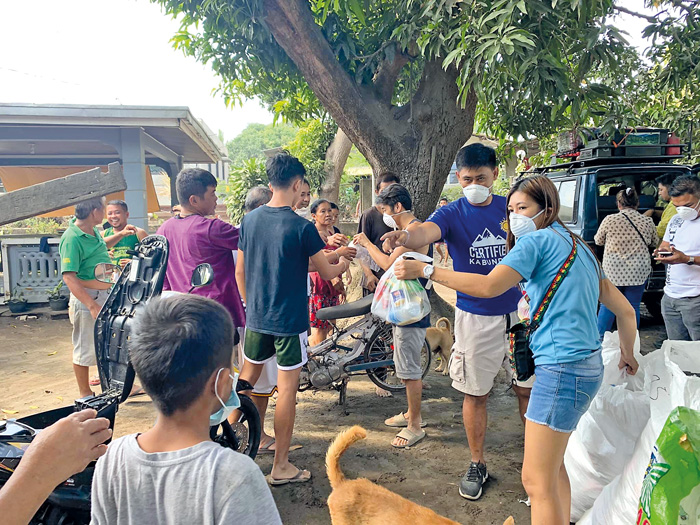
(667, 386)
(612, 374)
(603, 442)
(401, 302)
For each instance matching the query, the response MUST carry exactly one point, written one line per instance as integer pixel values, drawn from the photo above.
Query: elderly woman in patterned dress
(627, 237)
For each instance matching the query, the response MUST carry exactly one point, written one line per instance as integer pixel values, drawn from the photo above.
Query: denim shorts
(563, 392)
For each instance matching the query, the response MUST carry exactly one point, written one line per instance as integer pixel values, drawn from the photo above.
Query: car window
(567, 199)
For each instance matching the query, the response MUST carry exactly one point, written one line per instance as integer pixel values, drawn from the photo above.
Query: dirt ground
(35, 362)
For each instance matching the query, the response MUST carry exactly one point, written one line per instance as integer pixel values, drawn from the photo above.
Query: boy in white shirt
(181, 349)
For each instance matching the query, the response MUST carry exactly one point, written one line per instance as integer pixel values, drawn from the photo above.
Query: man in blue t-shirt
(475, 229)
(274, 251)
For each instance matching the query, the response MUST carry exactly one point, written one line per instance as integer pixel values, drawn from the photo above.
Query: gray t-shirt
(205, 484)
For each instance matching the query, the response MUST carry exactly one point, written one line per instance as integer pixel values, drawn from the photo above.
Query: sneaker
(473, 481)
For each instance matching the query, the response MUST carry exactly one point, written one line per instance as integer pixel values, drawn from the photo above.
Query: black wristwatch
(691, 260)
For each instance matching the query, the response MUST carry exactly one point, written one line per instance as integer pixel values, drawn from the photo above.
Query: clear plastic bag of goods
(364, 257)
(401, 302)
(671, 379)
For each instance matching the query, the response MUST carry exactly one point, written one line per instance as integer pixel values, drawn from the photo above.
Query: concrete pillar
(511, 167)
(173, 172)
(134, 165)
(367, 193)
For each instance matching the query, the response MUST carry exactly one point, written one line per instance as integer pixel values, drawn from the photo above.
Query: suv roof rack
(605, 161)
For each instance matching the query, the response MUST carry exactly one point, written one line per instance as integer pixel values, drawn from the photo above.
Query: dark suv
(587, 191)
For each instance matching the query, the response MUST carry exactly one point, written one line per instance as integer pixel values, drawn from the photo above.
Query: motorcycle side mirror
(107, 272)
(202, 275)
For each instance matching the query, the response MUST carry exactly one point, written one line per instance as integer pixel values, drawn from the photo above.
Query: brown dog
(440, 341)
(361, 502)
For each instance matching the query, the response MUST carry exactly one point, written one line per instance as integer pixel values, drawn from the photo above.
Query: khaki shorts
(84, 328)
(408, 344)
(480, 350)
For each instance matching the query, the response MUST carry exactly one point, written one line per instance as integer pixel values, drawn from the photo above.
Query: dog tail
(337, 448)
(446, 322)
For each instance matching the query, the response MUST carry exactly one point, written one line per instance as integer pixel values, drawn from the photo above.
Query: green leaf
(356, 9)
(522, 38)
(451, 57)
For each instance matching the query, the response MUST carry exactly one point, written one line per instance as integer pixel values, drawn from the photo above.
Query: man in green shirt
(81, 248)
(664, 182)
(121, 236)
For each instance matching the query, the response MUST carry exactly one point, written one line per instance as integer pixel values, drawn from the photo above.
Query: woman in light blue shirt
(566, 346)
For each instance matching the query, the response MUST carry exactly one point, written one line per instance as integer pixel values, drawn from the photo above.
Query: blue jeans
(606, 317)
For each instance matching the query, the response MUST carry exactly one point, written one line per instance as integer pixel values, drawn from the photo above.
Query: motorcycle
(139, 281)
(365, 346)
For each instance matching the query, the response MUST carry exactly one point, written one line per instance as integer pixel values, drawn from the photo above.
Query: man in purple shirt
(194, 239)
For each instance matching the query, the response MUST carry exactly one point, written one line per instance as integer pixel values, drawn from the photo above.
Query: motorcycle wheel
(244, 435)
(381, 347)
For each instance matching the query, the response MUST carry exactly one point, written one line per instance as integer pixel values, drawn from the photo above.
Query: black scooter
(141, 279)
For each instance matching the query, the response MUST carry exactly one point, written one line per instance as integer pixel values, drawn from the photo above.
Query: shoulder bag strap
(549, 295)
(636, 229)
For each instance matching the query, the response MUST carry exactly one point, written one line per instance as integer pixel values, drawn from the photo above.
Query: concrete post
(173, 172)
(366, 193)
(134, 165)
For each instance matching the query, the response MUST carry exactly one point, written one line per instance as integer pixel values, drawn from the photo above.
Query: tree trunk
(417, 141)
(336, 158)
(439, 127)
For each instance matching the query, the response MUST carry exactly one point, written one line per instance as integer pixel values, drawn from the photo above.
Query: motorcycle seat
(361, 307)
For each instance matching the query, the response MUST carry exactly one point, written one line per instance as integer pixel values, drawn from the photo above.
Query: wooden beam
(59, 193)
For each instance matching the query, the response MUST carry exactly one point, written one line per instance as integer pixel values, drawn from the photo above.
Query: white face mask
(389, 220)
(476, 193)
(522, 224)
(231, 404)
(687, 213)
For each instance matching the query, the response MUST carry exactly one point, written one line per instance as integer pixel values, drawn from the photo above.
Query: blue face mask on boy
(230, 405)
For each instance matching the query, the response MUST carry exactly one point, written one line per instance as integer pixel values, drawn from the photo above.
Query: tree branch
(649, 18)
(386, 75)
(355, 108)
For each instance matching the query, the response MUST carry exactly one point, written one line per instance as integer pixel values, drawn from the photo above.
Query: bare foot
(426, 386)
(382, 393)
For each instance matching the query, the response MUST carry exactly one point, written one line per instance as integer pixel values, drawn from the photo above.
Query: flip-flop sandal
(265, 451)
(299, 477)
(399, 421)
(95, 381)
(410, 437)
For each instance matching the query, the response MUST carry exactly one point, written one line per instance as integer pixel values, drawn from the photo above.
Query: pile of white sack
(609, 452)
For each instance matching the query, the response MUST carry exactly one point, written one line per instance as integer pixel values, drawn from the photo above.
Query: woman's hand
(347, 252)
(628, 363)
(337, 240)
(408, 269)
(361, 239)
